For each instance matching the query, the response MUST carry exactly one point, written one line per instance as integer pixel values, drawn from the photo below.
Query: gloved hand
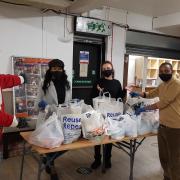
(42, 104)
(134, 94)
(24, 77)
(139, 111)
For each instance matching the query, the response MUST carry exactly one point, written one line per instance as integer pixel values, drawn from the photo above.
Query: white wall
(115, 51)
(131, 70)
(21, 34)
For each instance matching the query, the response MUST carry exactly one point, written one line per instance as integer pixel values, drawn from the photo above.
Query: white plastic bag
(111, 108)
(41, 118)
(132, 104)
(144, 126)
(71, 124)
(45, 114)
(76, 106)
(115, 128)
(148, 121)
(86, 108)
(130, 126)
(153, 118)
(92, 124)
(63, 109)
(100, 99)
(49, 134)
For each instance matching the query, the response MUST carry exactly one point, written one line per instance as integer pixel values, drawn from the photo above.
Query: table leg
(103, 158)
(22, 161)
(40, 167)
(132, 145)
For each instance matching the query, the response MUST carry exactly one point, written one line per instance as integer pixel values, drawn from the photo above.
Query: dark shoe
(95, 164)
(53, 174)
(47, 168)
(108, 164)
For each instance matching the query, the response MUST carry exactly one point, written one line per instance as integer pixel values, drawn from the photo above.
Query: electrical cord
(17, 4)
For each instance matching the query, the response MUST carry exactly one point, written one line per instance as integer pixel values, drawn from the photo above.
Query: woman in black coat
(106, 84)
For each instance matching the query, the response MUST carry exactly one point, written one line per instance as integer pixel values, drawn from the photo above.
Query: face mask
(165, 77)
(57, 75)
(107, 73)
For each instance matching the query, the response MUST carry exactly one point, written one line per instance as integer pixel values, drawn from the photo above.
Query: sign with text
(93, 26)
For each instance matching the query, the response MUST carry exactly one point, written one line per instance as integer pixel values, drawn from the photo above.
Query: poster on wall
(83, 61)
(25, 95)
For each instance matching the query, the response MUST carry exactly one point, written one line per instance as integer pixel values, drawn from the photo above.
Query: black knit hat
(56, 63)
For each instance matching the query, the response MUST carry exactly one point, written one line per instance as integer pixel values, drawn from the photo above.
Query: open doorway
(143, 71)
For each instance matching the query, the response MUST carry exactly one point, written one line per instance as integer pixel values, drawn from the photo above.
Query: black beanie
(56, 63)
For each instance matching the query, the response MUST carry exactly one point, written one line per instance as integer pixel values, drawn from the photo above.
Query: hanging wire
(17, 4)
(59, 12)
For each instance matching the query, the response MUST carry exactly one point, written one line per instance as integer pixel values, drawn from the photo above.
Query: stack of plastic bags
(117, 125)
(148, 121)
(63, 124)
(121, 126)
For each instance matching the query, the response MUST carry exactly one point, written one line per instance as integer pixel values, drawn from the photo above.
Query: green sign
(93, 26)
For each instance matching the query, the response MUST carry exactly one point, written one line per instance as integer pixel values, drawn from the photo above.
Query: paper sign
(84, 57)
(83, 72)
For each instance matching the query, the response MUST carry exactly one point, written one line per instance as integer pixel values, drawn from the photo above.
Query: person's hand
(138, 111)
(134, 94)
(24, 77)
(99, 88)
(42, 104)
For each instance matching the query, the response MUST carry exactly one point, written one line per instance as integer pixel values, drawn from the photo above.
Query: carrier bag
(71, 124)
(111, 108)
(115, 128)
(49, 134)
(92, 124)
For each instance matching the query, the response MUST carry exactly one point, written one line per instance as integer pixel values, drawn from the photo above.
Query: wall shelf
(151, 68)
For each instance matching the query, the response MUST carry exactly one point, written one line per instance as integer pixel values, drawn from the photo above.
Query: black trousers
(97, 150)
(54, 155)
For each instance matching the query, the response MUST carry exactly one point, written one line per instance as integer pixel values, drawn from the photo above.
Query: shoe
(108, 164)
(54, 175)
(47, 168)
(95, 164)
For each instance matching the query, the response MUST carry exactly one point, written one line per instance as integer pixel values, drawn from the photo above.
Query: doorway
(88, 54)
(142, 72)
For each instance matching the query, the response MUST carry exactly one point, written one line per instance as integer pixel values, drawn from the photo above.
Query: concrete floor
(146, 167)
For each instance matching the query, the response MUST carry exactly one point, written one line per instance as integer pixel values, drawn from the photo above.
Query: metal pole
(103, 158)
(22, 162)
(40, 167)
(132, 155)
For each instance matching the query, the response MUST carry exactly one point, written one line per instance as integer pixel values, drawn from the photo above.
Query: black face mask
(165, 77)
(107, 73)
(57, 75)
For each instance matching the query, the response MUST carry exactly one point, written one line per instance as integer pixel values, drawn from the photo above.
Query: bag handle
(73, 101)
(100, 93)
(108, 96)
(119, 100)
